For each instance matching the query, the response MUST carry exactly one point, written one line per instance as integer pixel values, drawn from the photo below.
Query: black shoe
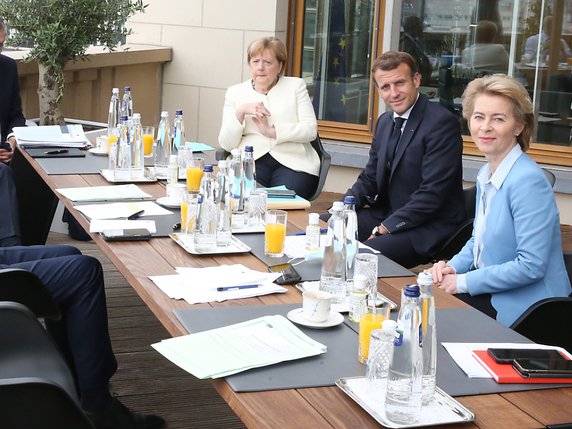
(120, 417)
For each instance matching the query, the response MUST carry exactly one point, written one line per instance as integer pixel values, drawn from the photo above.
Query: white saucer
(166, 202)
(98, 152)
(296, 316)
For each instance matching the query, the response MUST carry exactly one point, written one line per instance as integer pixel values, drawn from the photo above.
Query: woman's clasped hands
(444, 276)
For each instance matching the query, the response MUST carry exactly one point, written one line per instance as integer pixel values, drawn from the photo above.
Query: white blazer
(292, 115)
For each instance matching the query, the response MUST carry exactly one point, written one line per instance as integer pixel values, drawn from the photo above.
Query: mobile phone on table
(137, 234)
(549, 368)
(289, 274)
(280, 193)
(506, 355)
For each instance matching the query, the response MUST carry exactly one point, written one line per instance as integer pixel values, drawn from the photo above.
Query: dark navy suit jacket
(10, 103)
(422, 195)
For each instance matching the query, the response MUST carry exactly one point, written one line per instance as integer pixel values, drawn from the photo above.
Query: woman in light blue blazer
(514, 257)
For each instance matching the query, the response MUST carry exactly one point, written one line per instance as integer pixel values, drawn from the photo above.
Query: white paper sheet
(122, 210)
(51, 135)
(104, 193)
(100, 225)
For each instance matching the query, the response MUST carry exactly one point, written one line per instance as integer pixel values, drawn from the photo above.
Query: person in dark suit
(10, 116)
(75, 282)
(409, 196)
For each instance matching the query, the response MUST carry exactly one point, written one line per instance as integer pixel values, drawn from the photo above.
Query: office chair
(456, 242)
(325, 161)
(547, 322)
(37, 390)
(24, 287)
(549, 176)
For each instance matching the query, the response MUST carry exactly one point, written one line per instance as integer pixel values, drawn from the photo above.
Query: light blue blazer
(522, 253)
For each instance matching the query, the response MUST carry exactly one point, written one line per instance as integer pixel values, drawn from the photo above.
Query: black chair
(547, 322)
(568, 264)
(456, 242)
(36, 386)
(325, 161)
(24, 287)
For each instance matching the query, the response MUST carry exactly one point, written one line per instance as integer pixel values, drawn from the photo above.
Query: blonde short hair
(271, 43)
(509, 88)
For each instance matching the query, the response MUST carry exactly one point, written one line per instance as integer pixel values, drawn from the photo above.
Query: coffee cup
(316, 306)
(176, 192)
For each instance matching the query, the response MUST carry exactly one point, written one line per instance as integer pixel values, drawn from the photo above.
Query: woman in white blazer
(274, 114)
(514, 257)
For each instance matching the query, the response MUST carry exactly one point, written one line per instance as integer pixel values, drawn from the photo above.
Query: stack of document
(122, 210)
(104, 193)
(235, 348)
(217, 284)
(51, 136)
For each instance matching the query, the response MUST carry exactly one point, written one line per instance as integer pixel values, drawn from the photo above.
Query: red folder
(505, 373)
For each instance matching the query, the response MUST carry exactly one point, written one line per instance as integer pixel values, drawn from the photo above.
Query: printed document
(104, 193)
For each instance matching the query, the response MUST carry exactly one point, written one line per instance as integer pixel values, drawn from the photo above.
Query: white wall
(209, 40)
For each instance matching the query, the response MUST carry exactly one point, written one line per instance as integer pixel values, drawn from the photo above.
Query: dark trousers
(9, 223)
(76, 284)
(270, 173)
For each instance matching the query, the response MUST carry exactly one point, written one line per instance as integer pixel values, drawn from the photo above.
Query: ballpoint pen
(135, 215)
(230, 288)
(56, 151)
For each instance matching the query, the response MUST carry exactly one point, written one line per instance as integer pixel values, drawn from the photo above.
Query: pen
(55, 152)
(135, 215)
(176, 226)
(322, 231)
(229, 288)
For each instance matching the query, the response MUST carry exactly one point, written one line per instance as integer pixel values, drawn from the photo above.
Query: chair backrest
(550, 177)
(37, 389)
(547, 322)
(22, 286)
(325, 161)
(470, 198)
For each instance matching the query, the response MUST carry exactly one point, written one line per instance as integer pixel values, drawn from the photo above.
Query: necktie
(394, 139)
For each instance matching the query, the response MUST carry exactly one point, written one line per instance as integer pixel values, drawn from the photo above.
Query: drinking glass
(194, 173)
(148, 140)
(257, 207)
(380, 353)
(366, 264)
(189, 209)
(373, 314)
(275, 233)
(184, 156)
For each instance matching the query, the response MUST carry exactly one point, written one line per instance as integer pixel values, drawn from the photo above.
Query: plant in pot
(58, 31)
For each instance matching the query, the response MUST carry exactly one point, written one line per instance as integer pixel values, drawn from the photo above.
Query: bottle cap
(222, 163)
(412, 291)
(248, 149)
(179, 112)
(389, 325)
(164, 114)
(137, 116)
(208, 168)
(350, 200)
(115, 91)
(425, 279)
(360, 281)
(127, 88)
(314, 219)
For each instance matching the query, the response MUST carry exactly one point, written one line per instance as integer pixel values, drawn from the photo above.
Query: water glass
(373, 315)
(380, 354)
(275, 233)
(257, 207)
(194, 173)
(189, 210)
(148, 136)
(366, 264)
(184, 156)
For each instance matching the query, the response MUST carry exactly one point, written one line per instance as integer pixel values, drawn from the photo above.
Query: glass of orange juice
(275, 233)
(373, 314)
(194, 173)
(189, 208)
(148, 140)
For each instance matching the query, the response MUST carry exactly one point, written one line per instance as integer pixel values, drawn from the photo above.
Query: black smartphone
(550, 368)
(126, 235)
(6, 146)
(508, 355)
(281, 193)
(289, 274)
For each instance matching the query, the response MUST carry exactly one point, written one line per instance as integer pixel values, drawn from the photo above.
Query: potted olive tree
(58, 31)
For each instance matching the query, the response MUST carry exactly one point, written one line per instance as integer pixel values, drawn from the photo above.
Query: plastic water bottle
(127, 103)
(178, 132)
(205, 232)
(404, 378)
(333, 276)
(137, 156)
(429, 332)
(313, 233)
(358, 296)
(236, 183)
(351, 240)
(114, 110)
(248, 172)
(163, 150)
(224, 222)
(123, 170)
(173, 170)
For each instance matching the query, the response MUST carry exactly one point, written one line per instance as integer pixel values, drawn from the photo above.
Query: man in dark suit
(409, 196)
(10, 116)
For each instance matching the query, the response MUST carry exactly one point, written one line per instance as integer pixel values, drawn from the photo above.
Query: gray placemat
(311, 270)
(315, 371)
(91, 164)
(465, 325)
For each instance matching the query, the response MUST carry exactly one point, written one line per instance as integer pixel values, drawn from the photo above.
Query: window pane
(337, 42)
(455, 41)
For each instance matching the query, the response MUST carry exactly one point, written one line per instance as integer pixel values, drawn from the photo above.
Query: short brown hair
(509, 88)
(390, 60)
(271, 43)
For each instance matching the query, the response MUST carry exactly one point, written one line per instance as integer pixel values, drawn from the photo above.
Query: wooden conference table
(323, 407)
